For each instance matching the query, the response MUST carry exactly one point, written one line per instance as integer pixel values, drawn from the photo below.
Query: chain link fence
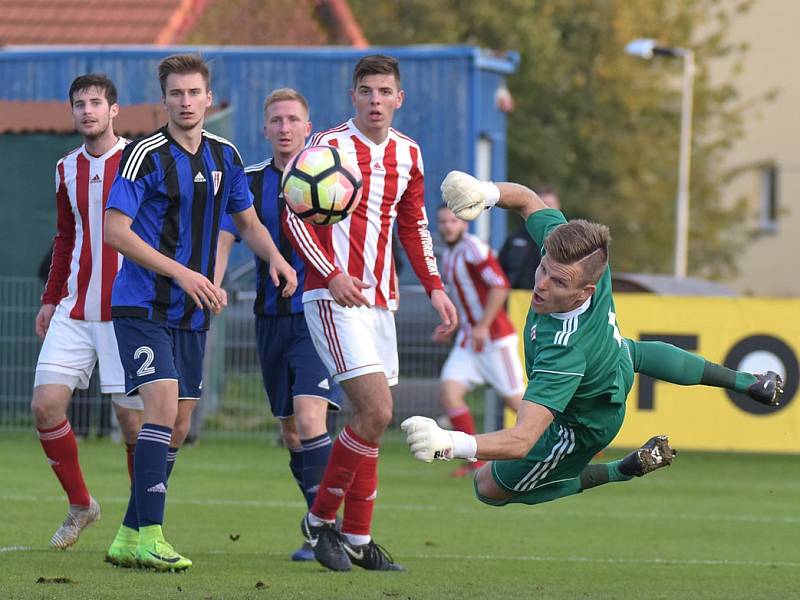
(234, 401)
(19, 348)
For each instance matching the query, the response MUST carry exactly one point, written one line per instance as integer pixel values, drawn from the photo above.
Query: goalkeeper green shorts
(561, 453)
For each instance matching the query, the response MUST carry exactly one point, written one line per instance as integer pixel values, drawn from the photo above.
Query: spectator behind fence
(519, 255)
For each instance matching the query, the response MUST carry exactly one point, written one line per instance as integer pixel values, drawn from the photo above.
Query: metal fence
(19, 348)
(234, 402)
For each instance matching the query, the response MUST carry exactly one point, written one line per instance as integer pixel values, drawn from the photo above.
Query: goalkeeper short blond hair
(583, 243)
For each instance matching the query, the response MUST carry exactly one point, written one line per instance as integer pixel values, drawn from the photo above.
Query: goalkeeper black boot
(767, 389)
(655, 454)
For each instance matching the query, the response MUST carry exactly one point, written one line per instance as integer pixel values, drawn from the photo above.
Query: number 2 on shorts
(149, 355)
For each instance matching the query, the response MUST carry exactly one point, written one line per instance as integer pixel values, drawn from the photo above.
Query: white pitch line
(538, 511)
(14, 549)
(771, 486)
(679, 517)
(611, 560)
(570, 559)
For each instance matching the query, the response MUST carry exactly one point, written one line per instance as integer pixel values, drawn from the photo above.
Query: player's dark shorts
(291, 366)
(152, 351)
(561, 453)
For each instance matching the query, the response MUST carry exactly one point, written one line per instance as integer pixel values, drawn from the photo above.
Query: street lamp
(647, 49)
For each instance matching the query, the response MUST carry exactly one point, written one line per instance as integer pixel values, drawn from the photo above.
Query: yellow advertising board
(746, 334)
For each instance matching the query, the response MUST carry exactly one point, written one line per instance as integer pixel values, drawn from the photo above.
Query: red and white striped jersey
(361, 245)
(471, 269)
(83, 267)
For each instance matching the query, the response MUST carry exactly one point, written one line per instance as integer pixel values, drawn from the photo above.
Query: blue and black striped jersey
(177, 201)
(264, 180)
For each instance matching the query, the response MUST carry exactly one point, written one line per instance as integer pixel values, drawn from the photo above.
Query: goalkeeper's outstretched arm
(522, 200)
(429, 442)
(467, 197)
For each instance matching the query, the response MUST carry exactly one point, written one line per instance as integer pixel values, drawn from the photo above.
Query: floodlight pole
(647, 48)
(684, 168)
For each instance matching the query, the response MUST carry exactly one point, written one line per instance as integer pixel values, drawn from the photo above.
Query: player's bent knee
(130, 422)
(452, 394)
(486, 488)
(183, 422)
(49, 404)
(490, 501)
(481, 493)
(179, 433)
(39, 408)
(384, 416)
(310, 423)
(290, 437)
(376, 417)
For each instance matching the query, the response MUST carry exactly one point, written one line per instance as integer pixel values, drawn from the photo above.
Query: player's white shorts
(70, 351)
(353, 341)
(496, 365)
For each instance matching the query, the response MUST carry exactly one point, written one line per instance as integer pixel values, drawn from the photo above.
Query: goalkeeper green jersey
(577, 363)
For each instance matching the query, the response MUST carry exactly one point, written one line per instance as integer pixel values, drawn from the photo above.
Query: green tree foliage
(599, 125)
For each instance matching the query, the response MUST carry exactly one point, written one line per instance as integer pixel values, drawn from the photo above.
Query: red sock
(129, 451)
(461, 419)
(62, 453)
(347, 454)
(360, 499)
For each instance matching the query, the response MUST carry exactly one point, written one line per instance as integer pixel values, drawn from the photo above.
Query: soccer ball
(321, 185)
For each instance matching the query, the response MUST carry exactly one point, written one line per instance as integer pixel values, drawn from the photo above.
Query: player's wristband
(464, 445)
(491, 194)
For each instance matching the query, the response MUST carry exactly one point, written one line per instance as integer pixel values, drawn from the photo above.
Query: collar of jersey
(574, 312)
(175, 143)
(121, 142)
(360, 135)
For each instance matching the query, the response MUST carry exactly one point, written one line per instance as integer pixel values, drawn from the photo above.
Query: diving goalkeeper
(580, 367)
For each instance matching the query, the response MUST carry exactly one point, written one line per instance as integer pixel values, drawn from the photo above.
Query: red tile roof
(300, 23)
(97, 21)
(165, 22)
(133, 121)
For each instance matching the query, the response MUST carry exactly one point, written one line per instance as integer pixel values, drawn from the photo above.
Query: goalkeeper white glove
(429, 442)
(466, 196)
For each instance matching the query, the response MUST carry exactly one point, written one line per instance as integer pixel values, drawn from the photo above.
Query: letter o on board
(759, 353)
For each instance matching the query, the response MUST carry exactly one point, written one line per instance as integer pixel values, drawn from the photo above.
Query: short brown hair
(285, 94)
(580, 242)
(97, 80)
(376, 64)
(183, 64)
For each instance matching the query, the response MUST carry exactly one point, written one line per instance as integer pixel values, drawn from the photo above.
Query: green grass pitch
(711, 526)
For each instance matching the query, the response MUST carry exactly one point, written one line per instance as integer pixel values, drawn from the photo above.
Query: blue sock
(131, 519)
(172, 456)
(316, 453)
(296, 467)
(150, 473)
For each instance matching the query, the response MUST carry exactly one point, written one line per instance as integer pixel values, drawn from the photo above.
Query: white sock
(356, 539)
(315, 521)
